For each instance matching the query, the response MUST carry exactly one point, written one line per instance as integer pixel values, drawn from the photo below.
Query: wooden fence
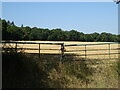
(63, 50)
(87, 54)
(39, 48)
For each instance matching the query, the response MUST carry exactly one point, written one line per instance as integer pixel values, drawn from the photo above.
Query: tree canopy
(12, 32)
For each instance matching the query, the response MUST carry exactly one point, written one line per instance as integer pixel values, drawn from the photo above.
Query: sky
(57, 0)
(86, 17)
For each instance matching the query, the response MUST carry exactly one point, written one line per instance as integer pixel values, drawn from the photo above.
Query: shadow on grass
(22, 70)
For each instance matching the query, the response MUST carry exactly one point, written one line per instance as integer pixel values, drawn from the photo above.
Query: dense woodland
(12, 32)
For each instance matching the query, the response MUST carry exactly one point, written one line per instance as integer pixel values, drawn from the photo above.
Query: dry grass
(98, 47)
(22, 70)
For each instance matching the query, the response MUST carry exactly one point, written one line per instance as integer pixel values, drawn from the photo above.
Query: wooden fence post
(16, 47)
(62, 51)
(85, 52)
(109, 50)
(39, 50)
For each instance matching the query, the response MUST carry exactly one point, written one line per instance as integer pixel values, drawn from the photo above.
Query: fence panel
(36, 48)
(93, 51)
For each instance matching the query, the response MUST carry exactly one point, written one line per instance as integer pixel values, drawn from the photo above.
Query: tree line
(12, 32)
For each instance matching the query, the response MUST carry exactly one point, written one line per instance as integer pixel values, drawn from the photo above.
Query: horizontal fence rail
(91, 44)
(90, 50)
(35, 43)
(90, 54)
